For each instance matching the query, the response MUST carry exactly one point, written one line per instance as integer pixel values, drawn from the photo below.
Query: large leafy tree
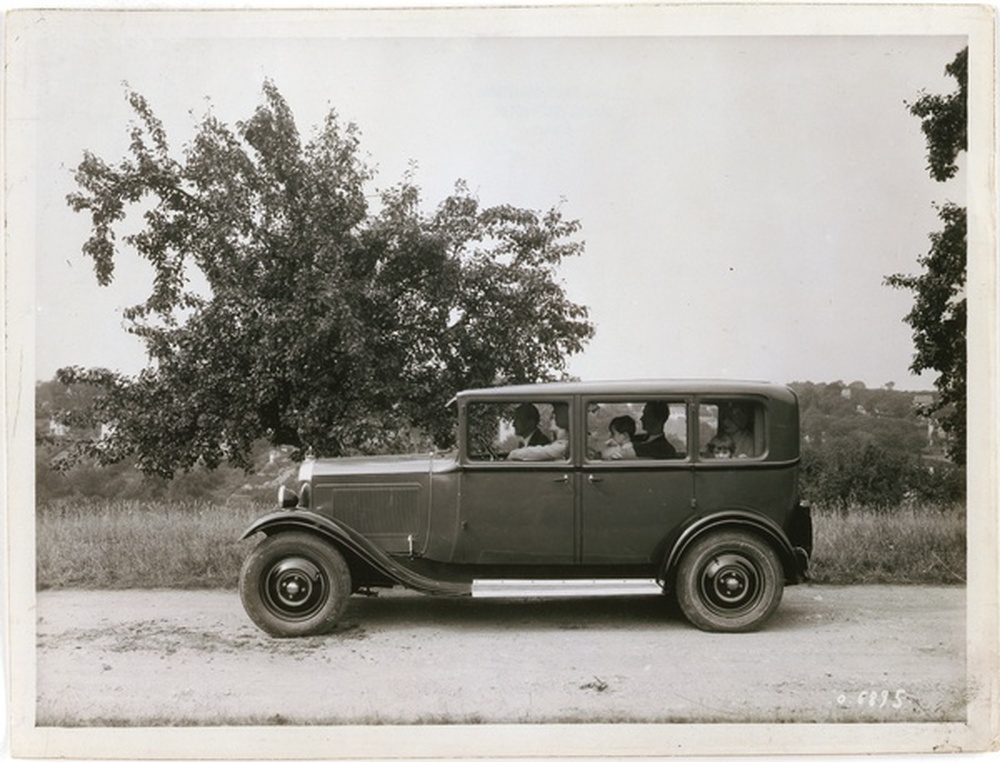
(938, 316)
(286, 306)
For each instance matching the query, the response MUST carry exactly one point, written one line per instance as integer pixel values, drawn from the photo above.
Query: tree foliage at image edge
(939, 314)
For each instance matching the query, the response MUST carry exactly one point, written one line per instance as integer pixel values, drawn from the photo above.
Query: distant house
(57, 430)
(278, 454)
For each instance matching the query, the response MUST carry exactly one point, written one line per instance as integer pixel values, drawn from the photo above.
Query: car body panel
(522, 515)
(626, 509)
(426, 521)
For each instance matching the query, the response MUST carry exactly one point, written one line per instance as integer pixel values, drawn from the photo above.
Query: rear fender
(355, 545)
(760, 525)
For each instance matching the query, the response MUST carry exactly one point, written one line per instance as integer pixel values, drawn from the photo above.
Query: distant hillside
(859, 444)
(892, 420)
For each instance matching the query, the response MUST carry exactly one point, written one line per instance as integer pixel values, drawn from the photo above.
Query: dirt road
(892, 654)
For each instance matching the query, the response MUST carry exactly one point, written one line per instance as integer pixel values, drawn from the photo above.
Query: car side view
(681, 488)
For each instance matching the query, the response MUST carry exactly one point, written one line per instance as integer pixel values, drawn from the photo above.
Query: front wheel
(729, 582)
(294, 584)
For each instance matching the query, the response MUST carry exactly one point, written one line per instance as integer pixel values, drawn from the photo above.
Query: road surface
(830, 654)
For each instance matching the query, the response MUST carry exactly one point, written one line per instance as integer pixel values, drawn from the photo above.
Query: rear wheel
(729, 582)
(295, 584)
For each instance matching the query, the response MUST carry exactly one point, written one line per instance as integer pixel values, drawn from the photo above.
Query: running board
(562, 588)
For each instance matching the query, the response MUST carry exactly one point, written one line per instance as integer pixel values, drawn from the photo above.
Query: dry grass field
(923, 544)
(134, 544)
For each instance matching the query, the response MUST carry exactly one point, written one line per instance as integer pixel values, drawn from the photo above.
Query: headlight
(287, 498)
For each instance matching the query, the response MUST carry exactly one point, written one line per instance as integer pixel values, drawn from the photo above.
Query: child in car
(721, 447)
(619, 446)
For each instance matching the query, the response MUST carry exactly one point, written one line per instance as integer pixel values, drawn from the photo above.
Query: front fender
(347, 539)
(732, 519)
(293, 519)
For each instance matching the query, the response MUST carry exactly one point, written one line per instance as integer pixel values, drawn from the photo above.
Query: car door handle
(593, 479)
(561, 479)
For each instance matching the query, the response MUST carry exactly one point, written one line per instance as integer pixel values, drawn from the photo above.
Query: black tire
(294, 584)
(729, 581)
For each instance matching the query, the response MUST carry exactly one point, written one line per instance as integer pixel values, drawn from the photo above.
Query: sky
(741, 196)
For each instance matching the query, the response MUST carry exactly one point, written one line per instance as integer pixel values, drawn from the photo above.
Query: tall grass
(120, 544)
(146, 544)
(911, 544)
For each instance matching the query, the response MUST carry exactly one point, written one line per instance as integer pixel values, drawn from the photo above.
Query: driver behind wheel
(555, 450)
(526, 418)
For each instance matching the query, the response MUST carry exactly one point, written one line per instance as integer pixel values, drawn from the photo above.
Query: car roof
(648, 387)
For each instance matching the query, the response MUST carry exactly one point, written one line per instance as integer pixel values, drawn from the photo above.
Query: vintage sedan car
(664, 487)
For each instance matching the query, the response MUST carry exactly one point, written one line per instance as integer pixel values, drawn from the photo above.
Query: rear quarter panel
(764, 488)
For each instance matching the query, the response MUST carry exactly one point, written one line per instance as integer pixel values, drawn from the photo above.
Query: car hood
(377, 464)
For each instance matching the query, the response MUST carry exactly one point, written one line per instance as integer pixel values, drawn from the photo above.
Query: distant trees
(62, 428)
(938, 317)
(287, 306)
(845, 475)
(871, 447)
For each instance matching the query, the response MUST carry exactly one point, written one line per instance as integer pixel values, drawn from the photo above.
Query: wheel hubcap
(730, 583)
(294, 588)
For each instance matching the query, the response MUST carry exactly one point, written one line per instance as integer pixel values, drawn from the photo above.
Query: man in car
(526, 419)
(653, 443)
(555, 450)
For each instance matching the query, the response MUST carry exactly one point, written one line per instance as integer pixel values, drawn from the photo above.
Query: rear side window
(637, 430)
(731, 429)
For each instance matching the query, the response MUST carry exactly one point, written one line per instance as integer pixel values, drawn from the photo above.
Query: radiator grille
(374, 510)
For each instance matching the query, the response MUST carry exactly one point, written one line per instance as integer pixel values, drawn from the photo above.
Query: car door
(515, 511)
(631, 502)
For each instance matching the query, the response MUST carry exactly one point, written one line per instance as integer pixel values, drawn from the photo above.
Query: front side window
(518, 431)
(731, 429)
(637, 430)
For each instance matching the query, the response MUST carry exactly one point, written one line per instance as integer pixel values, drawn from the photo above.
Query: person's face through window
(524, 424)
(735, 421)
(560, 419)
(651, 422)
(619, 437)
